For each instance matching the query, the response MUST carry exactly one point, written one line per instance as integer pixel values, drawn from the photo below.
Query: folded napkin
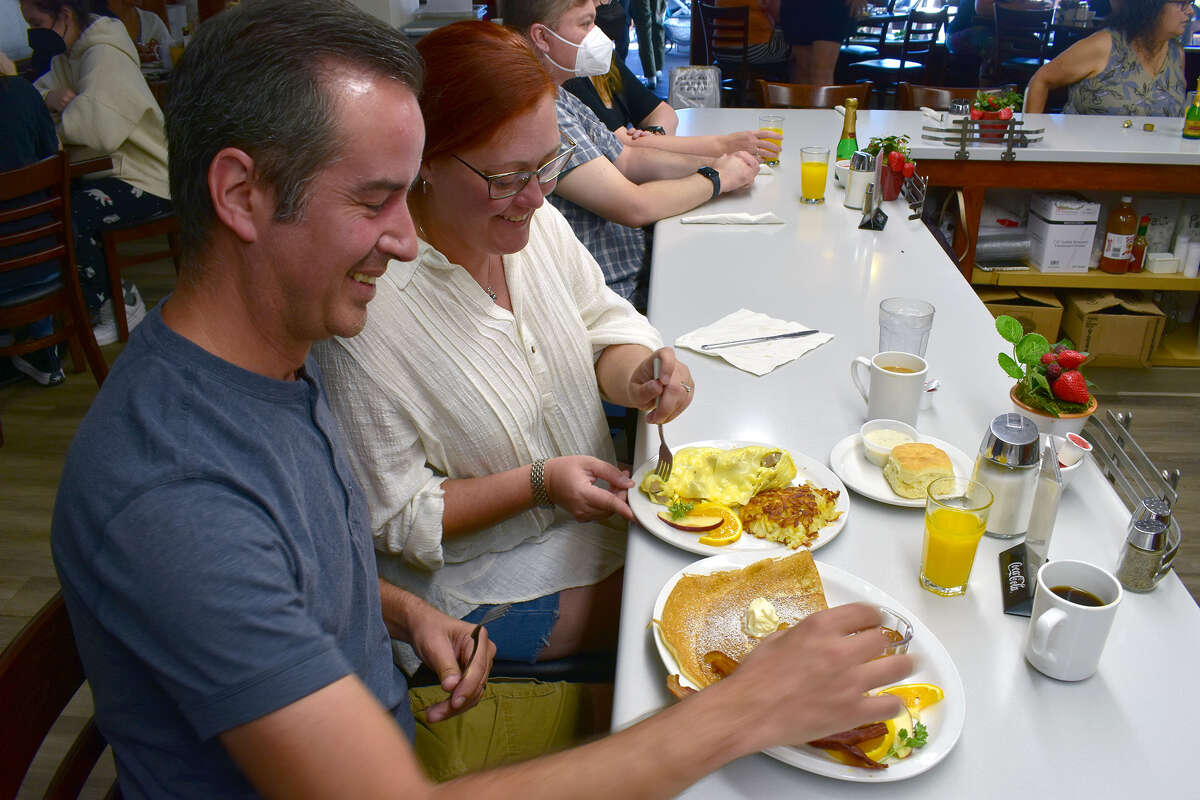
(757, 359)
(763, 169)
(739, 218)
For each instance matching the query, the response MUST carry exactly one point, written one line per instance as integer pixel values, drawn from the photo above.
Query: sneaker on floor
(41, 365)
(105, 330)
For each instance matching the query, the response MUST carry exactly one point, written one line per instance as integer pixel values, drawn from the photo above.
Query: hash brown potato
(792, 515)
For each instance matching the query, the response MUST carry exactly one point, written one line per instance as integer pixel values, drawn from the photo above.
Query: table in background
(1115, 735)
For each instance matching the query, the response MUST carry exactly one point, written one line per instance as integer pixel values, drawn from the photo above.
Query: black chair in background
(725, 43)
(1022, 37)
(921, 30)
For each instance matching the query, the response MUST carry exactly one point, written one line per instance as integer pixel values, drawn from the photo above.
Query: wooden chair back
(911, 96)
(801, 95)
(39, 674)
(726, 32)
(37, 231)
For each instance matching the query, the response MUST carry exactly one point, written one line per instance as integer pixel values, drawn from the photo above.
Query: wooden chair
(800, 95)
(921, 29)
(911, 96)
(725, 42)
(166, 224)
(43, 234)
(39, 674)
(1022, 36)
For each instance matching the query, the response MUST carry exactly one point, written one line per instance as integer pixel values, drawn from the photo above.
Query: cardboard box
(1062, 229)
(1060, 246)
(1038, 310)
(1119, 329)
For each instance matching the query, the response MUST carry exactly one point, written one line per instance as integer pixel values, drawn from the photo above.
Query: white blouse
(443, 383)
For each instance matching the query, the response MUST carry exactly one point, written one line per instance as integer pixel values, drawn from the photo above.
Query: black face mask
(46, 45)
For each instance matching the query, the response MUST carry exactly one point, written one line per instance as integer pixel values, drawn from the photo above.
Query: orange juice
(774, 162)
(951, 536)
(812, 180)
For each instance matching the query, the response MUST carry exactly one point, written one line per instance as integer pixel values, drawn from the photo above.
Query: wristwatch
(713, 176)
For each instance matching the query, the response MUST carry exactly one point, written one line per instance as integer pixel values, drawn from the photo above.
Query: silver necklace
(490, 292)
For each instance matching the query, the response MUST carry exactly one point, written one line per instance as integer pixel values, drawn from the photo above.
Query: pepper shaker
(1142, 555)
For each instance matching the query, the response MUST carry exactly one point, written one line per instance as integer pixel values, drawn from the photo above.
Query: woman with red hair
(472, 398)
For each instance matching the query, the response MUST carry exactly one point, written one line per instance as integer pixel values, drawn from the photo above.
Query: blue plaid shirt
(620, 250)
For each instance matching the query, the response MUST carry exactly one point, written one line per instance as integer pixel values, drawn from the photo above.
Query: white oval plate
(944, 721)
(849, 462)
(807, 469)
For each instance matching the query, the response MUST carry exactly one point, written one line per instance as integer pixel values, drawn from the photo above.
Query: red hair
(478, 76)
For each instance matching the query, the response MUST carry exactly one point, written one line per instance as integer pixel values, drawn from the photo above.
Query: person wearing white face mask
(608, 192)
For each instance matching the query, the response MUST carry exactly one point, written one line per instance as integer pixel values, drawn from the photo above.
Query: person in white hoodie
(103, 106)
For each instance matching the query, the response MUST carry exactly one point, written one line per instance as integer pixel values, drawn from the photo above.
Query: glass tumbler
(956, 512)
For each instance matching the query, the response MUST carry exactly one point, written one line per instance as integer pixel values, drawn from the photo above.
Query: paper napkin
(763, 169)
(757, 359)
(738, 218)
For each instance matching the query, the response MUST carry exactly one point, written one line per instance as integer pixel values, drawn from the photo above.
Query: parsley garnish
(680, 510)
(918, 739)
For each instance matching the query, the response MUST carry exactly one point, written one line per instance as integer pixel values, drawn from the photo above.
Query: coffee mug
(896, 382)
(1073, 609)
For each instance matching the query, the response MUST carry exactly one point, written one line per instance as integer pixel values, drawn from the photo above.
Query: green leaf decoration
(1009, 366)
(1031, 348)
(1040, 385)
(1009, 328)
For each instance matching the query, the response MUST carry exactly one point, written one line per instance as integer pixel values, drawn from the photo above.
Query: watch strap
(713, 176)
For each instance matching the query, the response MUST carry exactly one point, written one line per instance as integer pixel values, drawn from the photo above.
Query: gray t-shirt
(216, 560)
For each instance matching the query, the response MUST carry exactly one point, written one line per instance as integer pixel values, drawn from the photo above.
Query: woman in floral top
(1134, 67)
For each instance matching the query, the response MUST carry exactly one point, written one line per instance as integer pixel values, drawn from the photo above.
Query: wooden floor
(39, 423)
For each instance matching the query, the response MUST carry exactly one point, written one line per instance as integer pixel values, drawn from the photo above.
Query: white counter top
(1069, 137)
(1116, 735)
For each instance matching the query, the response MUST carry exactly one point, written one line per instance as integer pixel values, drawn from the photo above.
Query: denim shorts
(524, 631)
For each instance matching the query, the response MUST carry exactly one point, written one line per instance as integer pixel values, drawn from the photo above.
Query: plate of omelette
(779, 500)
(703, 608)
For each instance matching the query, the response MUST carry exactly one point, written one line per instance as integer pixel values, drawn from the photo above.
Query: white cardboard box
(1060, 246)
(1063, 207)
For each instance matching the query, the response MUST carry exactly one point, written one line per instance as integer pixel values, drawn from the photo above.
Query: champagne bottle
(848, 143)
(1191, 120)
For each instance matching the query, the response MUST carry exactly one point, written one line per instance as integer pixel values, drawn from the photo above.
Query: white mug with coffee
(1073, 609)
(893, 385)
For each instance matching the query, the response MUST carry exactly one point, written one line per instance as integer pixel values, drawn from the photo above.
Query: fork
(493, 614)
(665, 460)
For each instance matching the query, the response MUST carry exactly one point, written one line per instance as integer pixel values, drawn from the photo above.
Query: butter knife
(757, 339)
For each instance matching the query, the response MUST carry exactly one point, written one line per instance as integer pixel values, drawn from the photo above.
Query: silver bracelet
(537, 476)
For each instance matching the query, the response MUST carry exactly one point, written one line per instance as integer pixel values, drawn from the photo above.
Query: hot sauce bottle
(1139, 245)
(1118, 237)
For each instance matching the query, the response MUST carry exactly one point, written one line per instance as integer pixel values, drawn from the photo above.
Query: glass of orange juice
(956, 512)
(773, 123)
(814, 170)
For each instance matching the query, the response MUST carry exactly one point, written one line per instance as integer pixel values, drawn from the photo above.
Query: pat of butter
(761, 618)
(886, 438)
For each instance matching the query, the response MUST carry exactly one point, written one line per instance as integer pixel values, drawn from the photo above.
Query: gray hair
(253, 78)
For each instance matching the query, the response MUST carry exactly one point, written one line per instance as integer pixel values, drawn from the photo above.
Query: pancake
(793, 515)
(730, 477)
(705, 612)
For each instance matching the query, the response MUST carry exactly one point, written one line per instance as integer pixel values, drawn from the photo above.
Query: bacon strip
(678, 689)
(847, 742)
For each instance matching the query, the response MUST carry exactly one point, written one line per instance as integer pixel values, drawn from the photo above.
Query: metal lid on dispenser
(1148, 534)
(1012, 441)
(862, 161)
(1153, 508)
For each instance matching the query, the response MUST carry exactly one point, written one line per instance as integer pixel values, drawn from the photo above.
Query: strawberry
(1071, 359)
(1006, 113)
(1071, 387)
(895, 161)
(910, 168)
(1053, 370)
(1048, 358)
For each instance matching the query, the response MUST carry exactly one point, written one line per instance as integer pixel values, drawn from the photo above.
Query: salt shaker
(1045, 508)
(1008, 462)
(862, 172)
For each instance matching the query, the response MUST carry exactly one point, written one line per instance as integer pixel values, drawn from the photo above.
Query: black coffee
(1080, 597)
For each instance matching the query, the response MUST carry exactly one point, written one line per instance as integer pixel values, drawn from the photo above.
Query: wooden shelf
(1092, 279)
(1179, 348)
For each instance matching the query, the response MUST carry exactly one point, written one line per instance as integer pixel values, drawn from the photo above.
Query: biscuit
(911, 467)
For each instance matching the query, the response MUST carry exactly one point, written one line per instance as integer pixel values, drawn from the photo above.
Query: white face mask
(593, 56)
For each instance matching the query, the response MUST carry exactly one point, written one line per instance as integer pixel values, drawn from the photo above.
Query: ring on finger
(686, 388)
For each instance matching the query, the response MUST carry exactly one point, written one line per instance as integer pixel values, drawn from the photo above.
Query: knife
(791, 335)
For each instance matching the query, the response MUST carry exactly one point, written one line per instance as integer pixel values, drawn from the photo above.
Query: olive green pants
(515, 720)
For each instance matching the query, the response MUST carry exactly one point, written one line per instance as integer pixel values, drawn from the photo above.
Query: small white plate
(944, 721)
(807, 469)
(849, 463)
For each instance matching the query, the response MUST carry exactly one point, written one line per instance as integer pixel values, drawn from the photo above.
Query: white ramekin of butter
(879, 436)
